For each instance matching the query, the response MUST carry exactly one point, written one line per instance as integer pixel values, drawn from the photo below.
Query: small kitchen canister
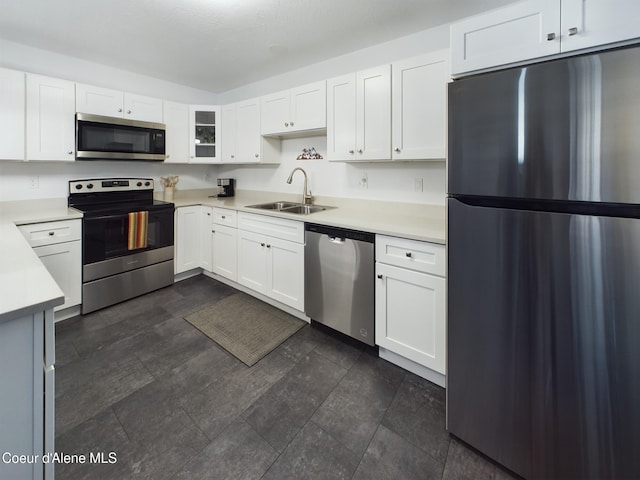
(168, 193)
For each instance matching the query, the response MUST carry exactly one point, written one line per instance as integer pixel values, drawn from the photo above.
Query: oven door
(106, 236)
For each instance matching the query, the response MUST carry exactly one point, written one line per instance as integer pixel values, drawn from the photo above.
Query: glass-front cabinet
(204, 130)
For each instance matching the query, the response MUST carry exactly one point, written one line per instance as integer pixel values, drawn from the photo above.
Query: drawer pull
(408, 254)
(223, 217)
(262, 244)
(380, 276)
(51, 234)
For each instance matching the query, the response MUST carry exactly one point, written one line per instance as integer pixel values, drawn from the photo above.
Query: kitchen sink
(274, 205)
(291, 207)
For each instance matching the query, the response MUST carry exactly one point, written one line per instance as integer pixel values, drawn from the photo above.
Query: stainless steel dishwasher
(339, 280)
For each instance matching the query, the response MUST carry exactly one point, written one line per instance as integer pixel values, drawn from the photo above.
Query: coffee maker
(226, 187)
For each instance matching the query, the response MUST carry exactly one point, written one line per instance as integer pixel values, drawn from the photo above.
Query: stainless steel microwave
(110, 138)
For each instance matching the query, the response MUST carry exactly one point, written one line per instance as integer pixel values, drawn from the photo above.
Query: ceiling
(218, 45)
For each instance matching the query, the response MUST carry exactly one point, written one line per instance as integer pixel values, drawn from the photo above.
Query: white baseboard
(413, 367)
(66, 313)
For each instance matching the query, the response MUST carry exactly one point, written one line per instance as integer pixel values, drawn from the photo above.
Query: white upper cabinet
(518, 32)
(50, 119)
(538, 28)
(176, 119)
(588, 23)
(204, 121)
(359, 116)
(296, 110)
(12, 114)
(114, 103)
(228, 133)
(419, 98)
(241, 138)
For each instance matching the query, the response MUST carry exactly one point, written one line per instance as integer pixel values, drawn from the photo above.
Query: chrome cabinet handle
(408, 254)
(233, 156)
(351, 152)
(292, 124)
(380, 276)
(257, 155)
(213, 231)
(359, 150)
(551, 36)
(286, 124)
(397, 149)
(119, 110)
(572, 31)
(223, 217)
(70, 152)
(128, 111)
(51, 234)
(268, 246)
(262, 244)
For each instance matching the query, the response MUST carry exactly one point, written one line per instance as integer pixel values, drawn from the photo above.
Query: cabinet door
(248, 139)
(228, 132)
(187, 242)
(141, 107)
(206, 241)
(286, 272)
(419, 107)
(341, 118)
(50, 119)
(587, 23)
(410, 315)
(275, 113)
(514, 33)
(252, 261)
(12, 114)
(99, 101)
(64, 262)
(309, 107)
(203, 132)
(225, 251)
(373, 114)
(176, 119)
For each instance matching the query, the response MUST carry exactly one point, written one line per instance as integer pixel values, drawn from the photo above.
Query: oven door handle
(105, 217)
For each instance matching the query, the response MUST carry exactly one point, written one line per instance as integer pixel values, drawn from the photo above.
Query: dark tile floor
(138, 380)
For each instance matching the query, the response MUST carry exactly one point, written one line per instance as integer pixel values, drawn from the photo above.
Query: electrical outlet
(417, 184)
(364, 181)
(35, 182)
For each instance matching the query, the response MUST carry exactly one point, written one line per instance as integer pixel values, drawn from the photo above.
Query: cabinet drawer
(224, 216)
(50, 233)
(291, 230)
(420, 256)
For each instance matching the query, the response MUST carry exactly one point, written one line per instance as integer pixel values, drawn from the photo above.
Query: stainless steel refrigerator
(543, 370)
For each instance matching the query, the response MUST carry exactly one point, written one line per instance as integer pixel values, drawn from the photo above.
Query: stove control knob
(79, 186)
(146, 184)
(139, 184)
(90, 186)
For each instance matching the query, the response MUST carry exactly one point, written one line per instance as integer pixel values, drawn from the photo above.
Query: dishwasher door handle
(336, 239)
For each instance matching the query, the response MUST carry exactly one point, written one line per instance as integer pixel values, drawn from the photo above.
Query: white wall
(398, 49)
(52, 178)
(387, 181)
(34, 60)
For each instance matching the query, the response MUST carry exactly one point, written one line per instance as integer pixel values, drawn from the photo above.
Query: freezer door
(561, 130)
(543, 334)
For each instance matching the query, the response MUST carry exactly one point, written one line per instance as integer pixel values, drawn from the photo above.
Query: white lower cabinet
(59, 248)
(225, 243)
(188, 238)
(410, 301)
(271, 257)
(206, 240)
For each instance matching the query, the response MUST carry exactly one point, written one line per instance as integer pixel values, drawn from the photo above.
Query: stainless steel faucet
(307, 199)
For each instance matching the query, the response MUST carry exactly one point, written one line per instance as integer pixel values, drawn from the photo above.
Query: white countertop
(25, 284)
(407, 220)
